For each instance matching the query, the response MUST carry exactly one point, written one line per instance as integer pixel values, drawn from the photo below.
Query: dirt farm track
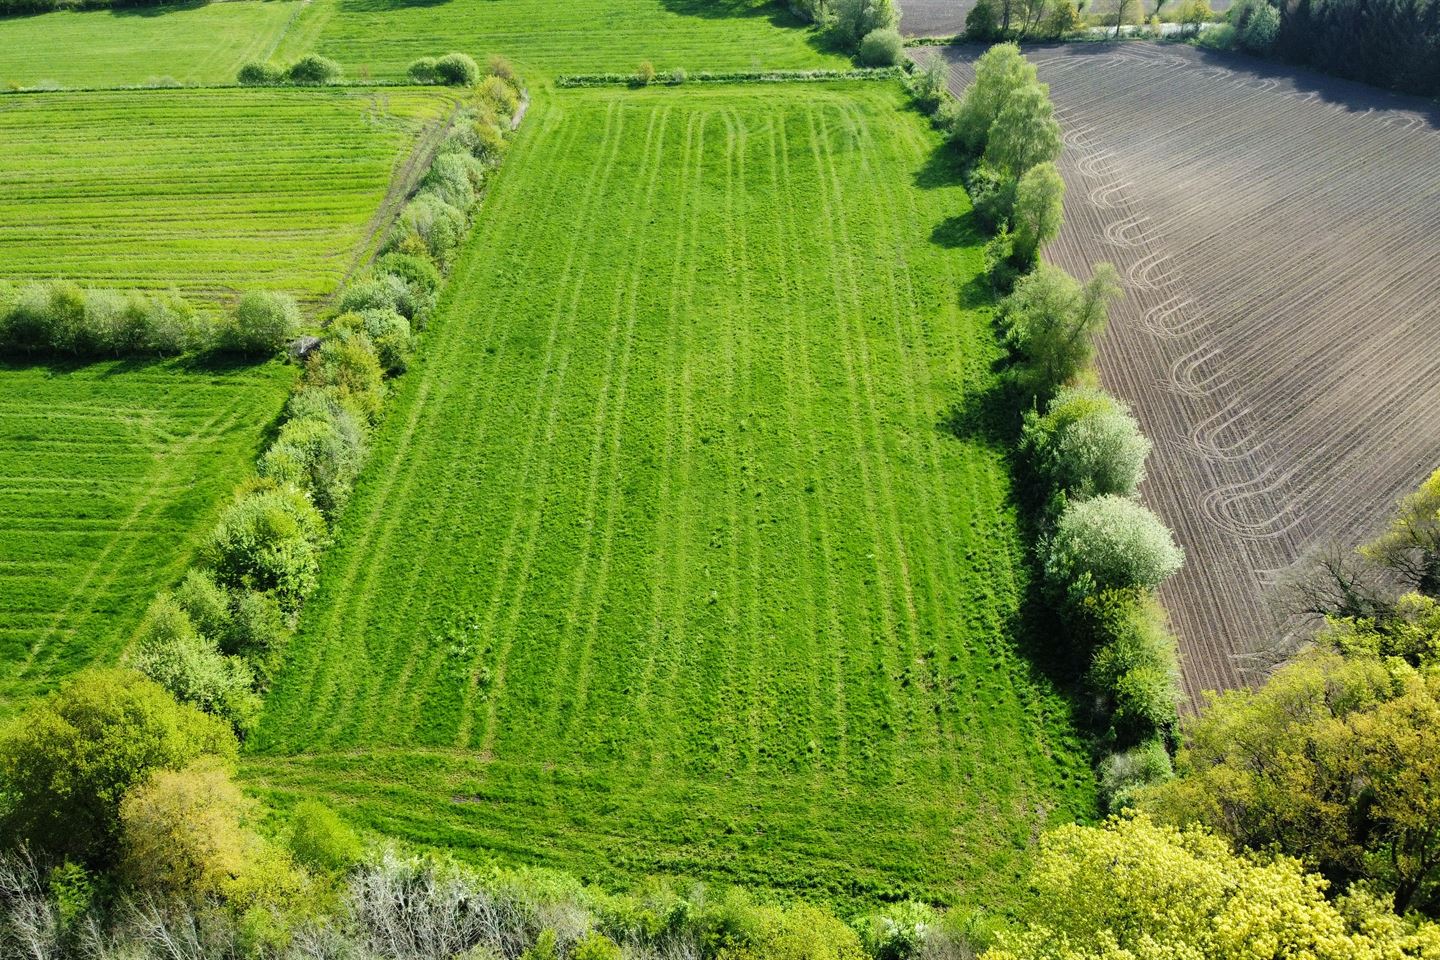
(1279, 236)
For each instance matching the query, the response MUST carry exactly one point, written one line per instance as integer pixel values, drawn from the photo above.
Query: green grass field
(210, 192)
(665, 560)
(108, 475)
(136, 45)
(545, 38)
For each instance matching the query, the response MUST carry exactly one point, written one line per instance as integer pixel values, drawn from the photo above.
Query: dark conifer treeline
(1388, 43)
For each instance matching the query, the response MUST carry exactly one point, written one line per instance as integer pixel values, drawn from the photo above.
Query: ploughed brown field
(1278, 233)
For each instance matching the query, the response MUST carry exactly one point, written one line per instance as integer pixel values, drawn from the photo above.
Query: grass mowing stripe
(206, 191)
(703, 534)
(103, 504)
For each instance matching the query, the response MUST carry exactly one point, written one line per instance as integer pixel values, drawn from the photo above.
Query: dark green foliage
(259, 74)
(262, 324)
(992, 193)
(321, 840)
(418, 272)
(1134, 671)
(1125, 772)
(190, 665)
(423, 71)
(982, 23)
(387, 330)
(269, 539)
(66, 763)
(314, 70)
(881, 48)
(457, 70)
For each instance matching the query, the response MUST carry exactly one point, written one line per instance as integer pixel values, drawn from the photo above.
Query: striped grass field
(666, 560)
(545, 38)
(109, 473)
(211, 192)
(204, 43)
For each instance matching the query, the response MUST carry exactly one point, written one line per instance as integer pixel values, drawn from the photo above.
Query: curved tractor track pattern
(1280, 336)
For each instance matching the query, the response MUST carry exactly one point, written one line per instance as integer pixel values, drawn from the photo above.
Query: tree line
(1389, 43)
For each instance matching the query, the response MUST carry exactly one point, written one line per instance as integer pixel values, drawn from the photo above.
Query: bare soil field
(1279, 234)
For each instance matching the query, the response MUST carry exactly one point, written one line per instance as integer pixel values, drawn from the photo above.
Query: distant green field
(666, 560)
(108, 474)
(133, 45)
(546, 38)
(207, 191)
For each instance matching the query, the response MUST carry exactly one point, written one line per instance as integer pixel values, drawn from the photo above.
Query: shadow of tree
(942, 168)
(958, 231)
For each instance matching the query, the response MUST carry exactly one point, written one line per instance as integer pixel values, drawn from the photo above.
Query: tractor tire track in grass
(662, 564)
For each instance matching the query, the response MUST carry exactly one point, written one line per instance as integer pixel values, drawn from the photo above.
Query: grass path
(664, 561)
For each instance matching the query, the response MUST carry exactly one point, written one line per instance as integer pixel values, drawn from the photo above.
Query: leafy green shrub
(1124, 773)
(439, 227)
(314, 70)
(257, 633)
(260, 74)
(423, 71)
(499, 66)
(928, 84)
(67, 761)
(175, 655)
(899, 931)
(45, 316)
(375, 291)
(855, 19)
(320, 455)
(387, 330)
(453, 177)
(1135, 671)
(595, 946)
(263, 322)
(502, 96)
(457, 70)
(1108, 543)
(1086, 445)
(347, 362)
(321, 840)
(206, 603)
(982, 23)
(1039, 211)
(881, 48)
(993, 195)
(678, 76)
(419, 273)
(269, 539)
(1260, 28)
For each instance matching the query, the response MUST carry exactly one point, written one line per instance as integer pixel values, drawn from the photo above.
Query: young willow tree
(1024, 132)
(999, 73)
(1051, 320)
(1038, 212)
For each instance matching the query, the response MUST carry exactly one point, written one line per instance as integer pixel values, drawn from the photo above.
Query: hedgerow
(61, 318)
(1101, 552)
(216, 641)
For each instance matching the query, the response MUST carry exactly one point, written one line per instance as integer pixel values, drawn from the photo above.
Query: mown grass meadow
(382, 37)
(109, 474)
(209, 192)
(185, 43)
(669, 557)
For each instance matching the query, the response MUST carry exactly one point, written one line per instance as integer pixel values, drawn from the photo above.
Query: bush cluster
(453, 69)
(311, 70)
(60, 318)
(994, 20)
